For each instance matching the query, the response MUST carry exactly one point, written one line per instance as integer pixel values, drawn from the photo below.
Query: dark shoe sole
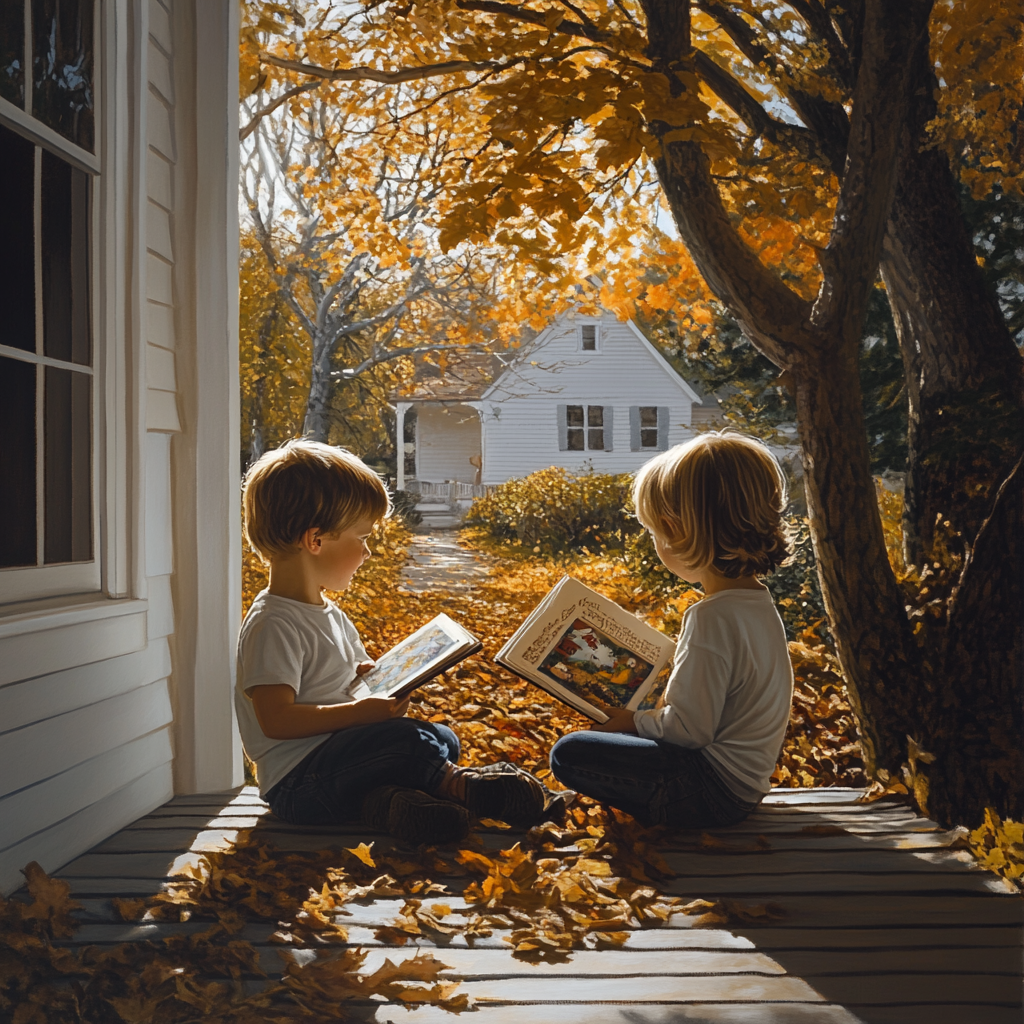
(414, 817)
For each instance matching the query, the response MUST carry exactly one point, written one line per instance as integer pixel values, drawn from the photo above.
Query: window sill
(57, 612)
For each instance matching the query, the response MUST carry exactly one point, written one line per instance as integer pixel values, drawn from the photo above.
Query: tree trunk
(864, 604)
(976, 718)
(317, 424)
(963, 371)
(257, 440)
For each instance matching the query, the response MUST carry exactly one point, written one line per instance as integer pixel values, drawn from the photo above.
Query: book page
(589, 652)
(414, 657)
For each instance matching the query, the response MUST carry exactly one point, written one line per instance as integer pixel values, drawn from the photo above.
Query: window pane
(17, 263)
(68, 483)
(574, 415)
(589, 339)
(648, 438)
(12, 52)
(595, 415)
(65, 219)
(595, 439)
(62, 64)
(649, 416)
(17, 463)
(575, 440)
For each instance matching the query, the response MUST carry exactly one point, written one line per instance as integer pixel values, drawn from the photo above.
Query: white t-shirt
(731, 689)
(312, 648)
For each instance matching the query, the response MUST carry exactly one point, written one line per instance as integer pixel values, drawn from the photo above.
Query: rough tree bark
(963, 371)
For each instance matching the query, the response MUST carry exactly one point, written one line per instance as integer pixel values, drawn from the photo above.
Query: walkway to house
(437, 562)
(884, 922)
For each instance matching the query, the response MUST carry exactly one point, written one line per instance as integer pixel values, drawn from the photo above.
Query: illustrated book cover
(590, 653)
(431, 650)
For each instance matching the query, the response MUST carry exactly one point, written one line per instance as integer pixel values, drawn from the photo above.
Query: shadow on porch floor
(883, 923)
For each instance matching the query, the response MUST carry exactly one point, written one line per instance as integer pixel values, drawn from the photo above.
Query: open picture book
(590, 653)
(431, 650)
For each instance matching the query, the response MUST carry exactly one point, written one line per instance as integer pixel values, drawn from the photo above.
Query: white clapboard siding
(47, 748)
(159, 533)
(61, 842)
(161, 378)
(34, 700)
(521, 412)
(38, 807)
(449, 437)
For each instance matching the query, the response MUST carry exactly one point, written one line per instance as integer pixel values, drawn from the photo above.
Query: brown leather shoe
(508, 793)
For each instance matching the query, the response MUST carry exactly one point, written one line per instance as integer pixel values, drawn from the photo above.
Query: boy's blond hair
(304, 485)
(717, 501)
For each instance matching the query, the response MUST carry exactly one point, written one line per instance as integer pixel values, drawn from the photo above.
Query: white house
(587, 391)
(119, 545)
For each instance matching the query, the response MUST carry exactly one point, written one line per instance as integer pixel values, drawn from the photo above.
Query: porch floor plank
(883, 924)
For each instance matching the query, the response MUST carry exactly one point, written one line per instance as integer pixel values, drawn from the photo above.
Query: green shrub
(554, 512)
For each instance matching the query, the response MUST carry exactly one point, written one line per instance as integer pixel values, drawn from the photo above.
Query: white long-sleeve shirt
(731, 689)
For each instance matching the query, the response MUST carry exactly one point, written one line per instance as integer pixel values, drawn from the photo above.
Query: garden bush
(556, 512)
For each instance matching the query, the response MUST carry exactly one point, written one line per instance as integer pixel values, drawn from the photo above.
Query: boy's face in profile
(339, 555)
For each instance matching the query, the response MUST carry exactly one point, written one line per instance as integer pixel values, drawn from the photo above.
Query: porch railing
(453, 490)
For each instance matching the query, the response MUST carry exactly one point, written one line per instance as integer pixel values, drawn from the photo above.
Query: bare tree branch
(377, 358)
(244, 133)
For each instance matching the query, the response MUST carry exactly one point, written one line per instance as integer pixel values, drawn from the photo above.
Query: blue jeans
(658, 783)
(328, 786)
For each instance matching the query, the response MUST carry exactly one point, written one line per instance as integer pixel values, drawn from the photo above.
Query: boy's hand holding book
(620, 720)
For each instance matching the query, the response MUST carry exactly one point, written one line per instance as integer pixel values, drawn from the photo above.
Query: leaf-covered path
(853, 912)
(437, 562)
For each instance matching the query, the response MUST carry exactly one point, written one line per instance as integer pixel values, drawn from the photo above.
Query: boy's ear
(312, 541)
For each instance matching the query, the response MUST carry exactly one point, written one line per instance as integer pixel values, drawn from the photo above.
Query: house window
(648, 428)
(588, 338)
(47, 388)
(585, 428)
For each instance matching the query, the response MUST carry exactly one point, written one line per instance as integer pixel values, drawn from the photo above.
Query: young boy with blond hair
(705, 756)
(323, 757)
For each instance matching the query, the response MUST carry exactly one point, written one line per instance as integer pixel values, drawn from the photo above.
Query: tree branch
(244, 133)
(376, 359)
(881, 103)
(826, 119)
(365, 74)
(565, 27)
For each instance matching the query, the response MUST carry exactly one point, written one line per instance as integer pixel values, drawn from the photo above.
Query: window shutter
(634, 428)
(563, 430)
(663, 415)
(608, 424)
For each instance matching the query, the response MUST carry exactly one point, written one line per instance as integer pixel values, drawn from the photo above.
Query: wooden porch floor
(883, 923)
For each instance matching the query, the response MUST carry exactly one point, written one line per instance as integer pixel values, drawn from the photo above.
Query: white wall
(521, 415)
(107, 699)
(85, 698)
(446, 438)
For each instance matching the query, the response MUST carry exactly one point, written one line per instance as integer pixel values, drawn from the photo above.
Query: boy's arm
(281, 718)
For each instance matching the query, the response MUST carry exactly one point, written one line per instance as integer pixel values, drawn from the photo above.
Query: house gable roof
(659, 359)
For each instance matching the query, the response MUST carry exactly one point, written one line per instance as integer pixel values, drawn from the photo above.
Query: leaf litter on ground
(586, 883)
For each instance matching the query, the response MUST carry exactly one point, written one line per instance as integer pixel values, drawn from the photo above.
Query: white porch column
(400, 410)
(205, 456)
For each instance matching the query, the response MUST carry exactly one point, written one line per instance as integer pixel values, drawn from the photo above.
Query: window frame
(597, 338)
(586, 427)
(23, 585)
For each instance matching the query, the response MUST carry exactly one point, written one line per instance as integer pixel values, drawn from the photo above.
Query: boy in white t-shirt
(323, 757)
(705, 756)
